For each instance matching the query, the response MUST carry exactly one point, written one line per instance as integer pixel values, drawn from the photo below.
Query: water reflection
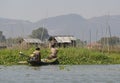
(60, 74)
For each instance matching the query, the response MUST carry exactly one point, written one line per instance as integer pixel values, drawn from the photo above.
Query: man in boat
(36, 55)
(54, 52)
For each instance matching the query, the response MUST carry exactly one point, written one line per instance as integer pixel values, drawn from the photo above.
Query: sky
(35, 10)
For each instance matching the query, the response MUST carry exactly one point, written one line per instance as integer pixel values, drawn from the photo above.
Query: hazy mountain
(15, 28)
(104, 22)
(85, 29)
(71, 24)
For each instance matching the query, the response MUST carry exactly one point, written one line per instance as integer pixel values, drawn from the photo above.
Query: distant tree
(110, 40)
(40, 33)
(2, 37)
(81, 43)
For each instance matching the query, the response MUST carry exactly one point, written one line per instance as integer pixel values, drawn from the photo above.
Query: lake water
(60, 74)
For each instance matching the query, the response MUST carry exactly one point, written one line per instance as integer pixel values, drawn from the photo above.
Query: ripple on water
(53, 74)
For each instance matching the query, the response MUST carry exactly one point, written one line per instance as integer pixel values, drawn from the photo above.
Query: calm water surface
(60, 74)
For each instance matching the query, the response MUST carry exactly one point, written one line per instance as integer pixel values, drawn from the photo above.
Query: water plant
(66, 56)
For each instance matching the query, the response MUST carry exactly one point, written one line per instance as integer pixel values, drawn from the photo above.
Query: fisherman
(54, 52)
(36, 55)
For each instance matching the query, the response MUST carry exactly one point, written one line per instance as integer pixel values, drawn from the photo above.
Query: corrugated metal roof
(31, 40)
(64, 39)
(58, 39)
(72, 38)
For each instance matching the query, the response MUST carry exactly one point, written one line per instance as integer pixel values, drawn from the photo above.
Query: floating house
(63, 40)
(32, 41)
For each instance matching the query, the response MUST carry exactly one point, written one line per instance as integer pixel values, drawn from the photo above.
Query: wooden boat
(53, 61)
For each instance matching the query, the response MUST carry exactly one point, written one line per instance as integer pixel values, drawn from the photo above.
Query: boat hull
(44, 62)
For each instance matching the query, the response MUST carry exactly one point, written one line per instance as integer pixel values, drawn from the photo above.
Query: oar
(21, 54)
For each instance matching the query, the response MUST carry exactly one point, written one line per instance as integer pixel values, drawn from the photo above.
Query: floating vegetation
(61, 67)
(66, 56)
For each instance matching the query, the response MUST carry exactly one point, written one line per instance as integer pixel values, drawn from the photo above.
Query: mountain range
(70, 24)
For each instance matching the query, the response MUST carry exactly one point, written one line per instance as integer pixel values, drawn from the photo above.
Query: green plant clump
(66, 56)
